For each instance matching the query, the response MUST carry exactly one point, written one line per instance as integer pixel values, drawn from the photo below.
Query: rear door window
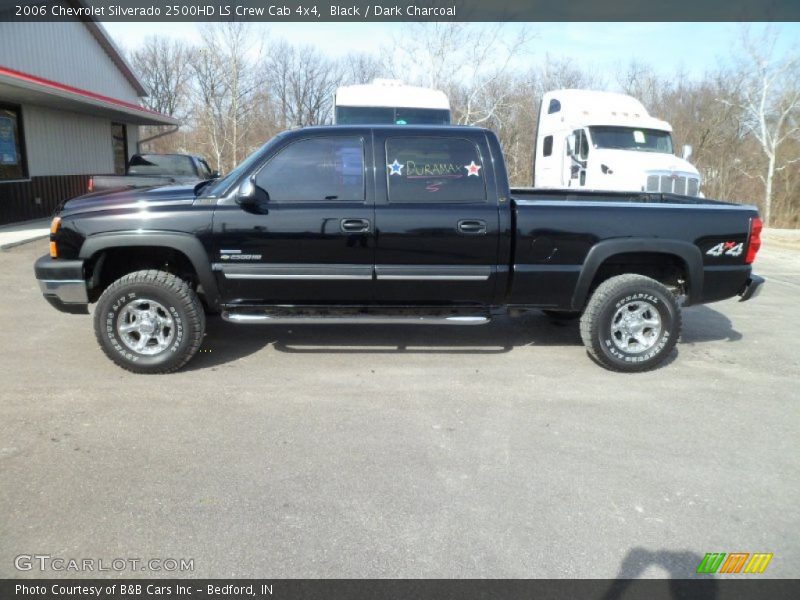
(434, 169)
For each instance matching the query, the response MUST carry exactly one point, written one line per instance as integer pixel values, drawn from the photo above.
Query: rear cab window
(161, 164)
(427, 169)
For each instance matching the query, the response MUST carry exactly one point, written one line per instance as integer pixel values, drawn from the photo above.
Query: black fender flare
(186, 243)
(600, 252)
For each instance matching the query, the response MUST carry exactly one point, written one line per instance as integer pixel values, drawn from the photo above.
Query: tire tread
(195, 316)
(591, 316)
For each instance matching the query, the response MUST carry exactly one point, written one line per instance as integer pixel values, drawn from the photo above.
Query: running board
(266, 319)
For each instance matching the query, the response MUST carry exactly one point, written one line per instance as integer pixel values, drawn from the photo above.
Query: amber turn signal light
(54, 225)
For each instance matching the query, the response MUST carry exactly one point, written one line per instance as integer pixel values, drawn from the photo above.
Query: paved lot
(499, 451)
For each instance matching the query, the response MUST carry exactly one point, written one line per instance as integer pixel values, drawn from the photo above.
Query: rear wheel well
(668, 269)
(108, 265)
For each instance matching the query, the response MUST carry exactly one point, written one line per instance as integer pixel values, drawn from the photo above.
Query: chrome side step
(267, 319)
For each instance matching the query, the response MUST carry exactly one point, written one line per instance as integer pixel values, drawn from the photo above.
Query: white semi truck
(604, 141)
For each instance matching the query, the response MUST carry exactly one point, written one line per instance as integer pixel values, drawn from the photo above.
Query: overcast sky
(693, 47)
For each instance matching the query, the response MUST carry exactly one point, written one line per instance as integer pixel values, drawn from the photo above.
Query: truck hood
(132, 199)
(629, 161)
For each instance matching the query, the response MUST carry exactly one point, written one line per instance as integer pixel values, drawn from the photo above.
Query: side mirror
(246, 193)
(686, 153)
(248, 198)
(571, 144)
(214, 175)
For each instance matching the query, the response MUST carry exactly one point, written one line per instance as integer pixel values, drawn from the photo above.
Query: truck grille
(666, 184)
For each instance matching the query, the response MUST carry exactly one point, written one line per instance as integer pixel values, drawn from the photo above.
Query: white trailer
(605, 141)
(390, 101)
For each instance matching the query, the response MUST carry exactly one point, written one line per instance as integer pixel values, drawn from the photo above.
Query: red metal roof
(61, 87)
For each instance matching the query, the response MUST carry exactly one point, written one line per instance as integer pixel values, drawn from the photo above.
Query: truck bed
(544, 194)
(560, 234)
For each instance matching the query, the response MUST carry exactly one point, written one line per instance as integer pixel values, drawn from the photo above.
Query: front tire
(631, 323)
(149, 322)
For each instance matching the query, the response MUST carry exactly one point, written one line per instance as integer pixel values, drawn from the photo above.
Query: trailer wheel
(631, 323)
(149, 322)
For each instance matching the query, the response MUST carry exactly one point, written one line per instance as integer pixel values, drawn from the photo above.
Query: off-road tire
(611, 299)
(184, 309)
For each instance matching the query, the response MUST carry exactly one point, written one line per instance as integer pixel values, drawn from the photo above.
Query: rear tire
(149, 322)
(631, 323)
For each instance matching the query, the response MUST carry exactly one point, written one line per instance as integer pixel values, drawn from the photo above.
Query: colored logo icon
(735, 562)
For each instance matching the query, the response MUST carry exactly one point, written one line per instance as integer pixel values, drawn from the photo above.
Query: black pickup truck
(149, 170)
(390, 224)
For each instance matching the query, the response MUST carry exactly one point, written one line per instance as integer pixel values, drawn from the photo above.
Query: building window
(12, 147)
(119, 139)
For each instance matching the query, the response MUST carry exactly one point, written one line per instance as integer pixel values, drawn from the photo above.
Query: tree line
(236, 89)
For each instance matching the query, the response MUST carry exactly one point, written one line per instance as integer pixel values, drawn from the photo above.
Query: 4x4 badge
(726, 248)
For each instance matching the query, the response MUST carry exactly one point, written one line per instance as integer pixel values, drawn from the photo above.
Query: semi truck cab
(604, 141)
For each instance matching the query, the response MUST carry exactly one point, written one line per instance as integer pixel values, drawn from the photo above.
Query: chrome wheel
(145, 327)
(636, 327)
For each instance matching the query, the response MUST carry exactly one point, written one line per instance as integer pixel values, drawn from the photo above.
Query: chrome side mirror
(686, 152)
(246, 193)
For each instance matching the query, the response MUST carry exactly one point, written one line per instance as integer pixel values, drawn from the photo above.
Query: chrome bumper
(61, 284)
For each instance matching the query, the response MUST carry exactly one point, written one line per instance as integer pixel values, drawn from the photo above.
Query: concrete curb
(10, 245)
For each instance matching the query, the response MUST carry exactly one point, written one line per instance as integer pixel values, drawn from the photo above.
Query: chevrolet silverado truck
(394, 225)
(150, 170)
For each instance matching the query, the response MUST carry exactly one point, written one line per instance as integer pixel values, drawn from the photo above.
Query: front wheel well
(108, 265)
(668, 269)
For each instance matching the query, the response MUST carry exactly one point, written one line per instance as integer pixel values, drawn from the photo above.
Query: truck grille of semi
(666, 184)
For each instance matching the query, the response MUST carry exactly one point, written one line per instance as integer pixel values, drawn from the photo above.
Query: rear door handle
(355, 225)
(472, 227)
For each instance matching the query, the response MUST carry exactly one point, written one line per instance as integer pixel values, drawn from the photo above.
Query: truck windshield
(630, 138)
(161, 164)
(382, 115)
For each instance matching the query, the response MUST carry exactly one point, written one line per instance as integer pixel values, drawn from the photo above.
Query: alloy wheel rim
(636, 327)
(145, 327)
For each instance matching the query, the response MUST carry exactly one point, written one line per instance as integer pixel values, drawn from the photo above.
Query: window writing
(430, 169)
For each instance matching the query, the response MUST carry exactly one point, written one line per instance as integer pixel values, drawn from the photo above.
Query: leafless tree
(771, 104)
(743, 121)
(360, 67)
(162, 64)
(301, 83)
(470, 62)
(227, 84)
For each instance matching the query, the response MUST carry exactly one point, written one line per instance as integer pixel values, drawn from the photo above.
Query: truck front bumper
(752, 288)
(62, 284)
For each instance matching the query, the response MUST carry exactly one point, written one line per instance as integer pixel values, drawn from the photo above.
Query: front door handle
(472, 227)
(355, 225)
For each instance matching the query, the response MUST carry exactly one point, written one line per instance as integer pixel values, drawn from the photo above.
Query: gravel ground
(496, 451)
